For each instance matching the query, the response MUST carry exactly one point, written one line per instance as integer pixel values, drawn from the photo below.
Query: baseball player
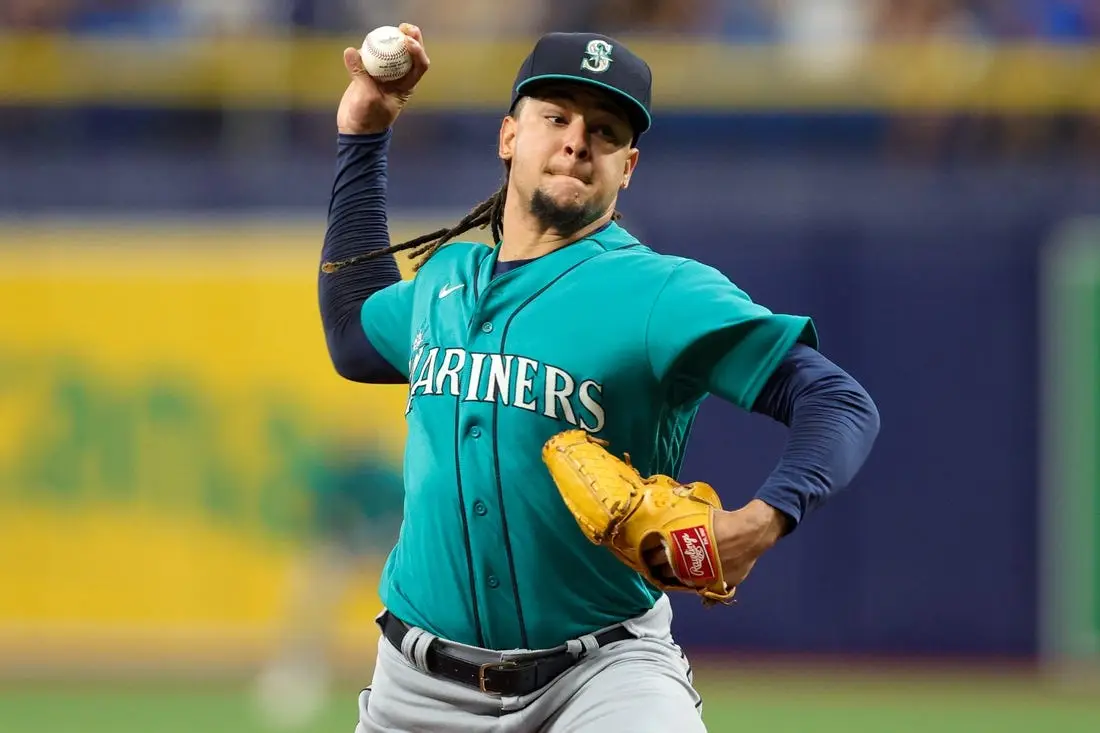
(520, 595)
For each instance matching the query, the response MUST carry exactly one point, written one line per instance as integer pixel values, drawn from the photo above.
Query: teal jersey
(604, 335)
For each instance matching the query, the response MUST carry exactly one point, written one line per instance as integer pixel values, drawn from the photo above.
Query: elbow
(862, 415)
(348, 362)
(854, 412)
(854, 399)
(866, 422)
(870, 409)
(344, 359)
(345, 367)
(356, 360)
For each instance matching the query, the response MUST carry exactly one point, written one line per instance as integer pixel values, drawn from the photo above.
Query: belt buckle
(491, 665)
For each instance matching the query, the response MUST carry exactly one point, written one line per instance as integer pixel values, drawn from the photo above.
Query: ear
(506, 144)
(628, 169)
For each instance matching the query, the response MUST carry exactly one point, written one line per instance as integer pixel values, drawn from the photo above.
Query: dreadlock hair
(489, 213)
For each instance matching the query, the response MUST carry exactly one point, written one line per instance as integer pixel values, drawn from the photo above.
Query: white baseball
(384, 54)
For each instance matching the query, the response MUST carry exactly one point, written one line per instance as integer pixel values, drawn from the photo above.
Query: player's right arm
(365, 308)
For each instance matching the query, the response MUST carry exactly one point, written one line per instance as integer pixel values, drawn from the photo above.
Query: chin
(569, 192)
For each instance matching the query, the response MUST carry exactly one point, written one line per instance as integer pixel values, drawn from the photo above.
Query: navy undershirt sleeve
(357, 224)
(833, 424)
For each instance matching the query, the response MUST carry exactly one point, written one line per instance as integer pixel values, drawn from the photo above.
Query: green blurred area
(822, 702)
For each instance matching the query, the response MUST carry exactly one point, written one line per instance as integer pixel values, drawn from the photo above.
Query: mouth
(583, 179)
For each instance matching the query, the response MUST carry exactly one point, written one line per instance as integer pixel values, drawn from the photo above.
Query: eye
(610, 134)
(556, 119)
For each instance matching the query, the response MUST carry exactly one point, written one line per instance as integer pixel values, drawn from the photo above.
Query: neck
(524, 239)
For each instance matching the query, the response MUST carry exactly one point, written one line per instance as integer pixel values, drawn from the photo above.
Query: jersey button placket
(493, 582)
(486, 327)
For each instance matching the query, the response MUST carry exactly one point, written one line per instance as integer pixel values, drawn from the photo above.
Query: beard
(565, 219)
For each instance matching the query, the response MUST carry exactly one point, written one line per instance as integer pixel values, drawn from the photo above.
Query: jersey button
(493, 582)
(475, 432)
(486, 327)
(479, 508)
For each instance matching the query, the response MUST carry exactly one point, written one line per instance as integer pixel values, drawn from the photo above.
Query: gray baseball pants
(641, 685)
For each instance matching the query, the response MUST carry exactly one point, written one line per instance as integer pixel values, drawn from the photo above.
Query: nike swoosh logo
(447, 291)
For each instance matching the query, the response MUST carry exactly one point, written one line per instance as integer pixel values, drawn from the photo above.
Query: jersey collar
(608, 237)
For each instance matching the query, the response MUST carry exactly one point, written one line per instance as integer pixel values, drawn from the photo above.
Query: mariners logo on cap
(597, 56)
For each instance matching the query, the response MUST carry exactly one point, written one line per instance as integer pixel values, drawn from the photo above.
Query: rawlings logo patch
(693, 554)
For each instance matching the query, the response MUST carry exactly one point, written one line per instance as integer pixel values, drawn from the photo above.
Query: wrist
(770, 522)
(757, 524)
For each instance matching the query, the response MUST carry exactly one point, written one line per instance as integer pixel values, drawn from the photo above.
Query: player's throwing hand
(370, 106)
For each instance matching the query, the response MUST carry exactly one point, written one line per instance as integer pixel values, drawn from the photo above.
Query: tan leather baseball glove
(619, 509)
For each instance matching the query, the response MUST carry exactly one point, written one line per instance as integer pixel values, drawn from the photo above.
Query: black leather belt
(483, 670)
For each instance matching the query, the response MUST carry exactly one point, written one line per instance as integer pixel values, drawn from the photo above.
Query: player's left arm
(706, 332)
(833, 423)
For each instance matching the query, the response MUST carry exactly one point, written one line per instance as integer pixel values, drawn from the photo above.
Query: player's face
(570, 151)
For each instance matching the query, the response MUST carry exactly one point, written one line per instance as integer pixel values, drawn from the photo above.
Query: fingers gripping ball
(384, 54)
(618, 508)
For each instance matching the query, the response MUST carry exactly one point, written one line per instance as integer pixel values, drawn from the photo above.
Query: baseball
(384, 54)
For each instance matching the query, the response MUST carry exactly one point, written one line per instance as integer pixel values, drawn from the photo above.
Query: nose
(576, 139)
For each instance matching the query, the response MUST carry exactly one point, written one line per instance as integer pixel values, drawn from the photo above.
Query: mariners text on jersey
(508, 379)
(605, 335)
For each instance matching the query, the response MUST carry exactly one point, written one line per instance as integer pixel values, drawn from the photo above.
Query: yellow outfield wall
(168, 414)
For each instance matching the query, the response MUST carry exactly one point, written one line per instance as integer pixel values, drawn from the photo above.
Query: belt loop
(582, 647)
(588, 641)
(420, 650)
(407, 642)
(414, 647)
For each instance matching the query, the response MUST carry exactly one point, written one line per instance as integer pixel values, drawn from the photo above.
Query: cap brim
(640, 118)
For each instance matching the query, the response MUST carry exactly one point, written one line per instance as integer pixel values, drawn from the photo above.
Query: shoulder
(662, 271)
(638, 258)
(623, 249)
(453, 258)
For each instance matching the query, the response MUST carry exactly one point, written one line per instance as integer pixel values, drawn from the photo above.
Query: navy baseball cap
(595, 60)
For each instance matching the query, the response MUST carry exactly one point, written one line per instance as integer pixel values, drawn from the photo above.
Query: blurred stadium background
(194, 508)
